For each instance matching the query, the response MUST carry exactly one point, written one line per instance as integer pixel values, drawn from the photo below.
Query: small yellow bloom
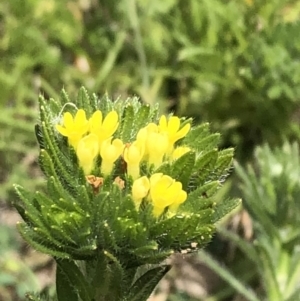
(172, 127)
(157, 145)
(110, 152)
(104, 129)
(179, 151)
(143, 135)
(165, 192)
(140, 189)
(133, 154)
(87, 150)
(74, 128)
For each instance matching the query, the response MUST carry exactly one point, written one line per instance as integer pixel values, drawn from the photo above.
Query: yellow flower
(87, 150)
(165, 192)
(143, 134)
(110, 152)
(140, 189)
(157, 145)
(181, 198)
(133, 154)
(73, 128)
(172, 127)
(179, 151)
(104, 129)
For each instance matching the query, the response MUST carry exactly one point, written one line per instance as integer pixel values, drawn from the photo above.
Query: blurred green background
(233, 63)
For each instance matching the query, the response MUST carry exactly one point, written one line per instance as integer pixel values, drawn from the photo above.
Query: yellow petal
(95, 122)
(140, 188)
(74, 140)
(182, 132)
(111, 151)
(87, 150)
(165, 192)
(152, 128)
(155, 178)
(173, 125)
(160, 193)
(118, 144)
(181, 198)
(163, 123)
(62, 130)
(68, 120)
(80, 118)
(179, 151)
(111, 121)
(173, 190)
(141, 136)
(133, 153)
(157, 145)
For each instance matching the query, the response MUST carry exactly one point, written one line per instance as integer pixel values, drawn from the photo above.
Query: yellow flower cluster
(92, 137)
(161, 190)
(154, 144)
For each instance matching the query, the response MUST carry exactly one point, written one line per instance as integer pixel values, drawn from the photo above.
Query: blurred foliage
(271, 191)
(16, 278)
(233, 63)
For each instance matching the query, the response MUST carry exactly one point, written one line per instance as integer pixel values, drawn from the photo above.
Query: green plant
(271, 193)
(239, 70)
(111, 228)
(231, 63)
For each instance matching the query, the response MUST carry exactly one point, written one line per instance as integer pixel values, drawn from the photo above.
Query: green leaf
(246, 247)
(83, 101)
(182, 168)
(208, 143)
(225, 207)
(64, 288)
(35, 241)
(223, 163)
(64, 97)
(228, 277)
(142, 117)
(29, 210)
(101, 278)
(196, 133)
(269, 266)
(205, 164)
(206, 191)
(294, 296)
(126, 124)
(71, 283)
(144, 285)
(39, 135)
